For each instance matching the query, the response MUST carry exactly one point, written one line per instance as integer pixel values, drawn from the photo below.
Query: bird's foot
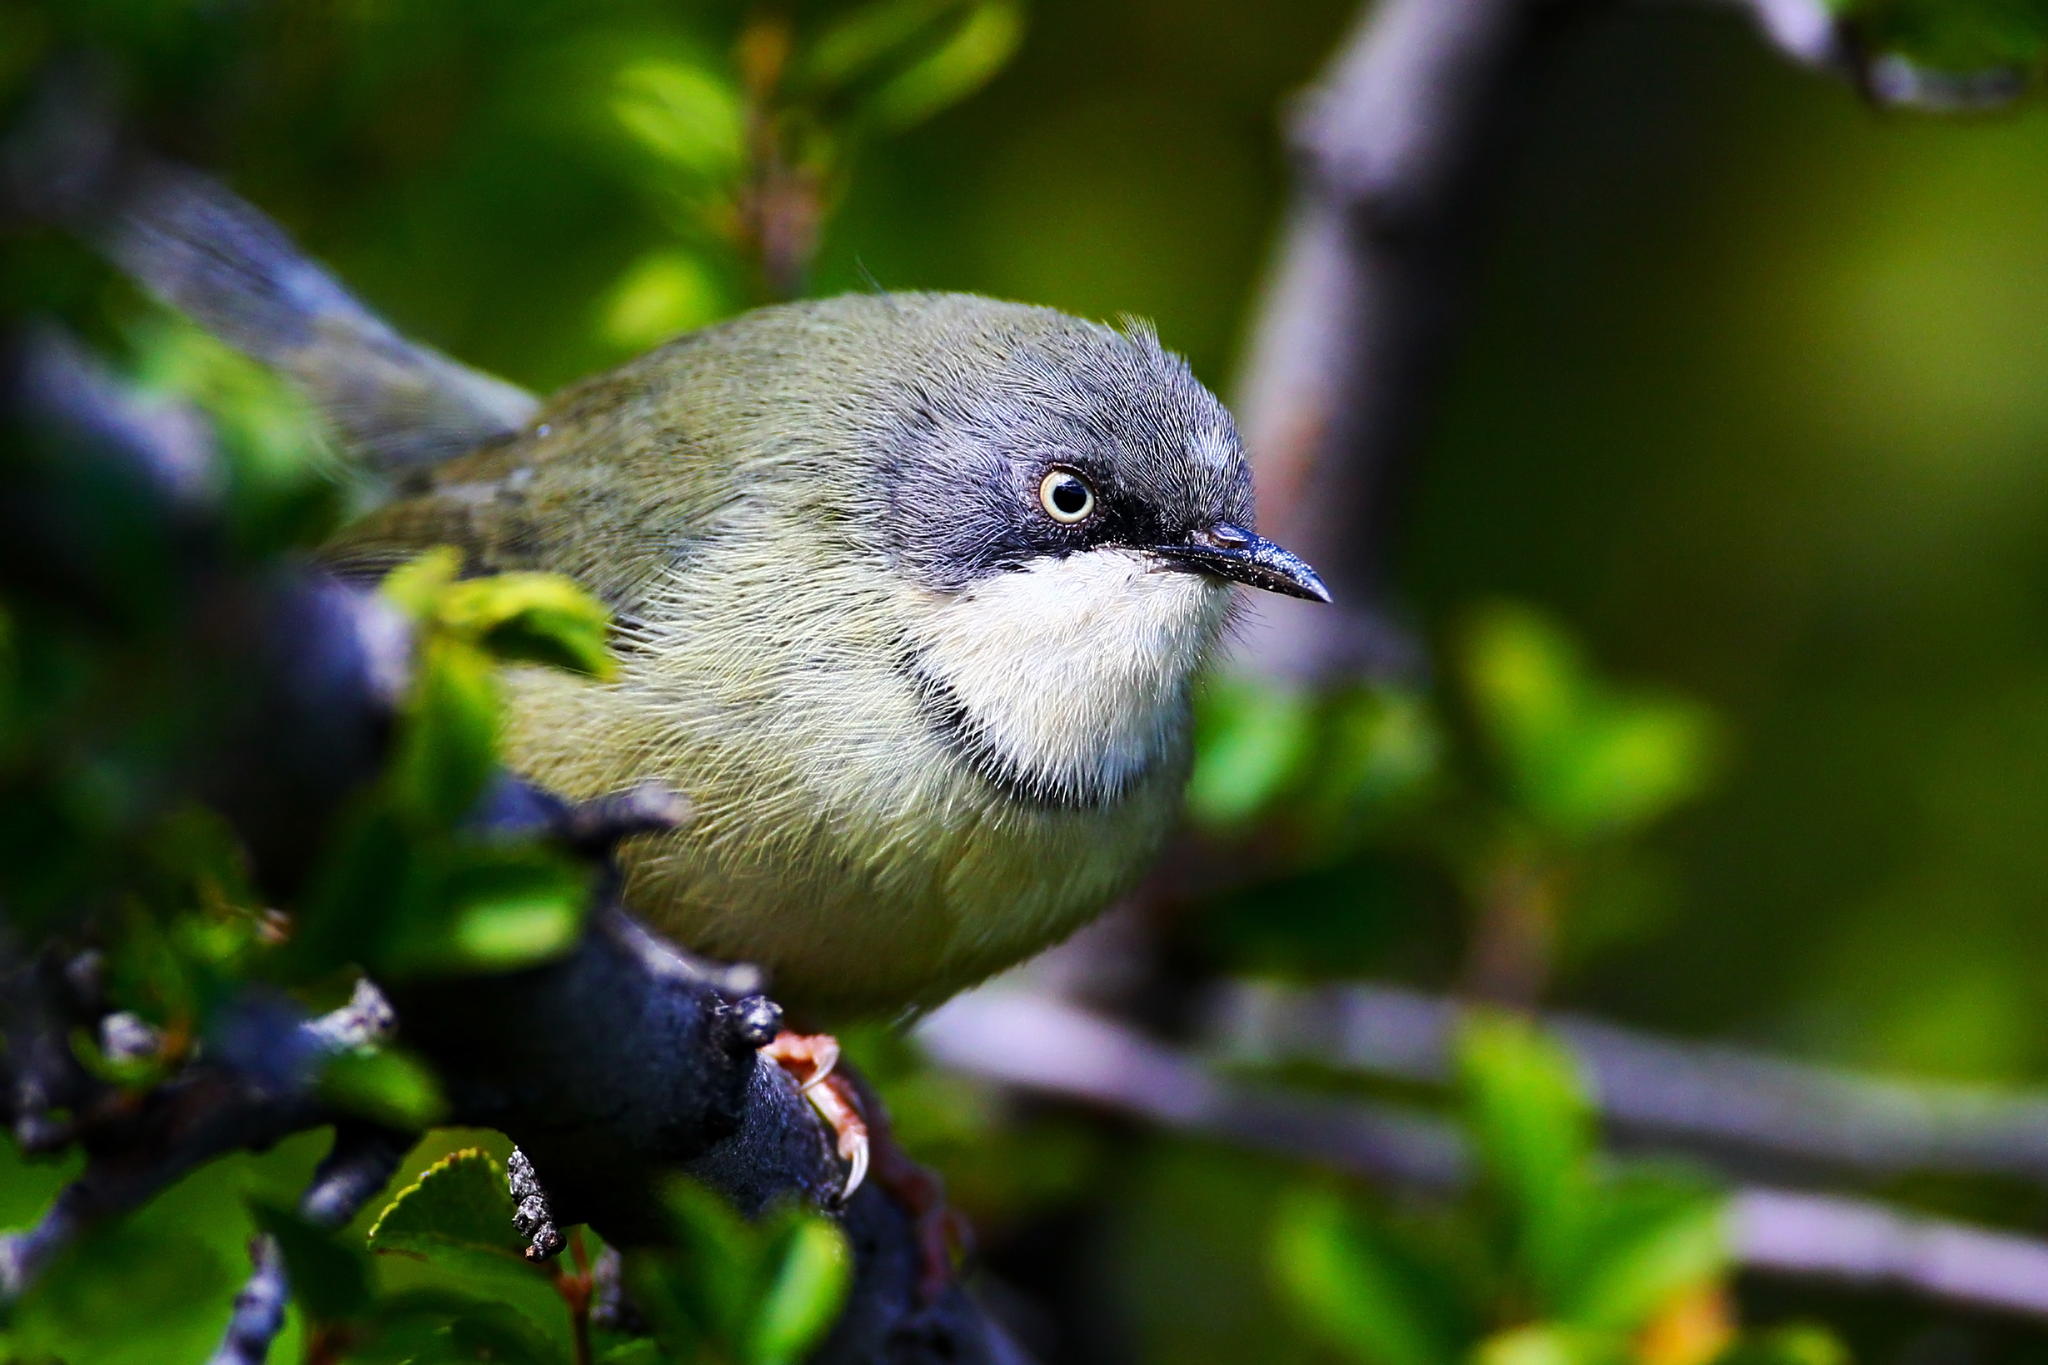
(812, 1059)
(866, 1145)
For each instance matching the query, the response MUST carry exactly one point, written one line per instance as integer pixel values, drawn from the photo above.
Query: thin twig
(360, 1164)
(1720, 1099)
(1054, 1048)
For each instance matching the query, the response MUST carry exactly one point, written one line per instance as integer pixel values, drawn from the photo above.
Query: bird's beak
(1241, 556)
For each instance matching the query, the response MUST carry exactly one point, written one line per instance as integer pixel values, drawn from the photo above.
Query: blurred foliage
(1752, 408)
(1955, 35)
(1555, 1258)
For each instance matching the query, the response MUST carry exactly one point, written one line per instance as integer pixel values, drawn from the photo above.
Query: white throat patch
(1072, 675)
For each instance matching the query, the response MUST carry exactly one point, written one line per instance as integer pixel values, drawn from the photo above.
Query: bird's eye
(1066, 496)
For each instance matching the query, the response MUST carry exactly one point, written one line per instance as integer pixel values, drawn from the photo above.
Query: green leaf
(329, 1278)
(1552, 1345)
(449, 747)
(1533, 1134)
(1251, 743)
(806, 1287)
(504, 908)
(537, 618)
(1796, 1345)
(1360, 1289)
(124, 1296)
(417, 585)
(371, 884)
(418, 1326)
(1580, 758)
(763, 1292)
(701, 1288)
(684, 113)
(387, 1085)
(908, 59)
(664, 293)
(1650, 1238)
(460, 1203)
(1953, 35)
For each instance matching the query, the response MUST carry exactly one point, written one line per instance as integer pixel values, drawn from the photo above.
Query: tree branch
(1360, 309)
(1815, 34)
(612, 1067)
(1050, 1047)
(1720, 1100)
(361, 1164)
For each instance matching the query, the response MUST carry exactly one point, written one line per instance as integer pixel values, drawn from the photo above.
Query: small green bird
(911, 591)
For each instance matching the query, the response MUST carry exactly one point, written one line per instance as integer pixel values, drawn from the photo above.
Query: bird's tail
(398, 405)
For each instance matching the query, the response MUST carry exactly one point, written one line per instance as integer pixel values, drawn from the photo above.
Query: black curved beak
(1232, 552)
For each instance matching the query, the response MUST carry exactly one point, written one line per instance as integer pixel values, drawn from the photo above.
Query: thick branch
(612, 1067)
(1358, 315)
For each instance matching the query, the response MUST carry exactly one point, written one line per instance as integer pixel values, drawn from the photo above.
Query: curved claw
(853, 1149)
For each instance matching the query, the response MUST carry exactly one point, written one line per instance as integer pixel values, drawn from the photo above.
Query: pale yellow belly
(866, 878)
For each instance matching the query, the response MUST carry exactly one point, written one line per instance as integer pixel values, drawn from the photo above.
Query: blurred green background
(1751, 406)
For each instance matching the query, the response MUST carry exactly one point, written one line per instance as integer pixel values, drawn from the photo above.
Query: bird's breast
(886, 814)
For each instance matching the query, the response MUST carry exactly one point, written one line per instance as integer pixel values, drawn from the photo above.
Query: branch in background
(1049, 1047)
(1358, 318)
(1864, 1245)
(1816, 34)
(1720, 1100)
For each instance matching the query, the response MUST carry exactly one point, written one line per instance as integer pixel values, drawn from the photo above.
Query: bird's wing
(612, 484)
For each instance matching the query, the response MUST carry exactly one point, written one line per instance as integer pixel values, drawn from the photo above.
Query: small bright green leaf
(685, 114)
(511, 908)
(1549, 1345)
(449, 745)
(640, 1352)
(1533, 1134)
(330, 1278)
(1251, 743)
(1650, 1238)
(388, 1085)
(664, 293)
(461, 1202)
(1580, 758)
(1797, 1345)
(1361, 1290)
(418, 584)
(539, 618)
(915, 57)
(807, 1285)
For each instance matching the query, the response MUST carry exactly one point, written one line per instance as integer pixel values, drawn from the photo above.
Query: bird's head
(1067, 508)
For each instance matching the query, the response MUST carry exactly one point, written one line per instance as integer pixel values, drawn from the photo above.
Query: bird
(911, 592)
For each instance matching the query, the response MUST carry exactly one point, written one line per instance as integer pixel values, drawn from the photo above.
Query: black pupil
(1069, 496)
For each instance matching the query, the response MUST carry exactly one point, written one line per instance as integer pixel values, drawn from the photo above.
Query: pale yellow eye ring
(1066, 496)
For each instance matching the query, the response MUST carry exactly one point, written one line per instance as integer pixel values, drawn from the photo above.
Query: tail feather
(399, 405)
